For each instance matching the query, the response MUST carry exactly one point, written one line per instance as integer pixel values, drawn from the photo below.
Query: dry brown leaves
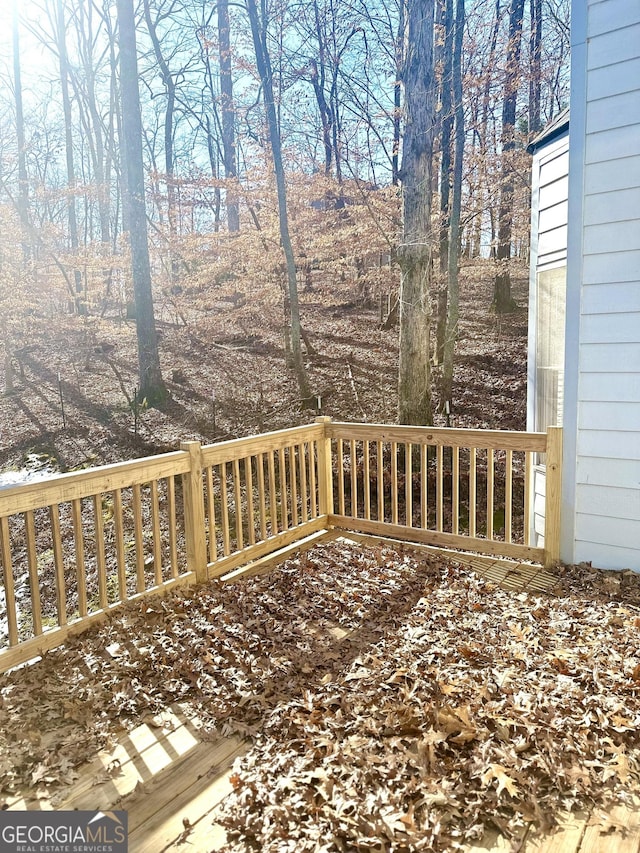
(476, 707)
(397, 703)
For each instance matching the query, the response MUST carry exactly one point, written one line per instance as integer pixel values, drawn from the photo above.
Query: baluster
(248, 479)
(58, 561)
(34, 581)
(9, 587)
(508, 498)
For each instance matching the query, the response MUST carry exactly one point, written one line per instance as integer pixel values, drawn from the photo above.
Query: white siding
(539, 492)
(613, 175)
(621, 42)
(553, 242)
(549, 218)
(617, 143)
(615, 298)
(613, 79)
(612, 416)
(609, 264)
(617, 206)
(618, 502)
(606, 465)
(552, 193)
(614, 111)
(553, 217)
(604, 444)
(616, 386)
(611, 15)
(605, 556)
(607, 530)
(618, 473)
(608, 359)
(615, 236)
(604, 328)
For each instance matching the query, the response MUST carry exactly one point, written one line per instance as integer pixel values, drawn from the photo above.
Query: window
(549, 380)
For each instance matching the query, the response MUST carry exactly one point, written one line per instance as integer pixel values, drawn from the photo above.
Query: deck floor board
(171, 778)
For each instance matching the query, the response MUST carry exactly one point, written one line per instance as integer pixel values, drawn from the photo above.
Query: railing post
(325, 472)
(553, 498)
(194, 529)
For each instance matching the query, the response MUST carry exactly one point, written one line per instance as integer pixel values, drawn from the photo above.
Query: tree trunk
(23, 178)
(318, 80)
(502, 299)
(453, 311)
(397, 97)
(228, 116)
(170, 86)
(484, 140)
(152, 387)
(266, 76)
(81, 306)
(95, 129)
(414, 253)
(446, 118)
(535, 61)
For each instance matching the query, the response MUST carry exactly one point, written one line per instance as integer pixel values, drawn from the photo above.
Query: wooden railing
(263, 493)
(76, 546)
(454, 488)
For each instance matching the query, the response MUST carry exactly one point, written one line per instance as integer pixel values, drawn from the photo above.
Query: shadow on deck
(171, 777)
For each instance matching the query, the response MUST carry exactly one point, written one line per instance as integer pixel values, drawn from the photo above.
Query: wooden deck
(171, 777)
(171, 781)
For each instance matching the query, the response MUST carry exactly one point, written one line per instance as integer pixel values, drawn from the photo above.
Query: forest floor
(225, 369)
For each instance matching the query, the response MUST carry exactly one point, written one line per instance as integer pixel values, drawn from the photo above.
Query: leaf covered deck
(395, 701)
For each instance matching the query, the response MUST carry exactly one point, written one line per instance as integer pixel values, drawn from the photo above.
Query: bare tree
(502, 299)
(74, 239)
(152, 387)
(397, 95)
(535, 66)
(453, 264)
(23, 177)
(446, 130)
(97, 127)
(263, 62)
(228, 115)
(414, 253)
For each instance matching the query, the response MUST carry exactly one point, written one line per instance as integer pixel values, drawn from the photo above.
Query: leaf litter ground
(395, 701)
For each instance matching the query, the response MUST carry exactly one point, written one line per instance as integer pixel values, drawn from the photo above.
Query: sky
(29, 11)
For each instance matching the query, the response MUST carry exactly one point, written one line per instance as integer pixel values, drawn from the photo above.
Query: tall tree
(263, 62)
(152, 387)
(318, 75)
(399, 47)
(162, 12)
(23, 178)
(502, 299)
(484, 146)
(535, 66)
(453, 263)
(446, 129)
(443, 62)
(69, 154)
(228, 111)
(97, 126)
(414, 252)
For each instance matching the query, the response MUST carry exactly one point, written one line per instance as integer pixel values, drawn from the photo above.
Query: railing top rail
(93, 481)
(444, 436)
(239, 448)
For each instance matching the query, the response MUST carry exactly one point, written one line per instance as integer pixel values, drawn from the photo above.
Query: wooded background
(269, 149)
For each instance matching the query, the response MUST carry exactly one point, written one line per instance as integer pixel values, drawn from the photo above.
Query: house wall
(601, 493)
(549, 217)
